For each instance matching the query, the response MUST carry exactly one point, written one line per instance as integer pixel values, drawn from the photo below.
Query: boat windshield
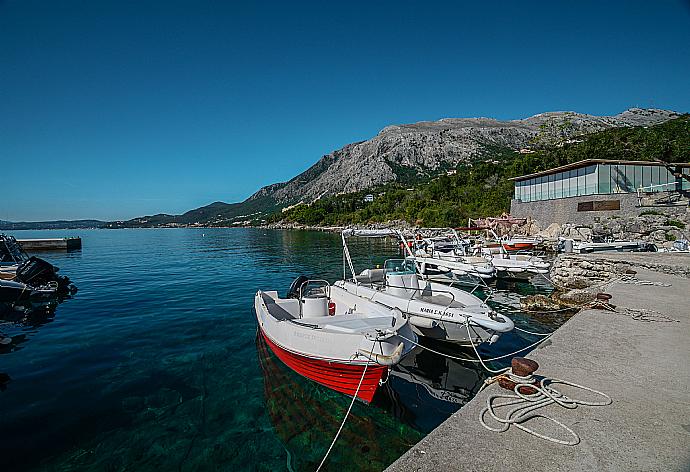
(315, 289)
(11, 251)
(399, 266)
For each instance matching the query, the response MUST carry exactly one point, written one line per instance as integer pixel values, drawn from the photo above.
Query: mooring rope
(545, 312)
(532, 332)
(643, 314)
(347, 413)
(479, 360)
(632, 280)
(527, 404)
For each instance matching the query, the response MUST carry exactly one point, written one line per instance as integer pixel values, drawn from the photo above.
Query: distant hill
(407, 154)
(483, 188)
(59, 224)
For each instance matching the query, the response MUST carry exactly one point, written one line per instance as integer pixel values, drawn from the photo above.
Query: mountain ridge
(403, 152)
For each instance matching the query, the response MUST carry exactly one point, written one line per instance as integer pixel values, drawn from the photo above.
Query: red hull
(518, 246)
(342, 378)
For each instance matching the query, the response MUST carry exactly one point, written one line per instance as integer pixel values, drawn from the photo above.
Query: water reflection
(305, 417)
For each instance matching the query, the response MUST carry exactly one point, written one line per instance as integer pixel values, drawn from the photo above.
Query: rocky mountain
(408, 152)
(430, 146)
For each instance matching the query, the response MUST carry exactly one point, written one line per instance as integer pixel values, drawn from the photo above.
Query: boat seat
(276, 311)
(443, 300)
(358, 325)
(370, 276)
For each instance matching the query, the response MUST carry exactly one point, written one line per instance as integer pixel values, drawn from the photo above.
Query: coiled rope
(525, 405)
(347, 413)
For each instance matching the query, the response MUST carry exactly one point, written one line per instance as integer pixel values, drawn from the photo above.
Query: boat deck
(439, 299)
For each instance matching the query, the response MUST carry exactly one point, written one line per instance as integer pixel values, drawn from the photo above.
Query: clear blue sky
(115, 109)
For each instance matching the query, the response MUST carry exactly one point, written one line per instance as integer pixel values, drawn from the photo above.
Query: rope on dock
(479, 359)
(347, 413)
(526, 403)
(648, 316)
(632, 280)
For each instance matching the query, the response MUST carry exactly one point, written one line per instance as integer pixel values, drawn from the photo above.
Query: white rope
(532, 332)
(642, 314)
(474, 360)
(525, 405)
(632, 280)
(347, 413)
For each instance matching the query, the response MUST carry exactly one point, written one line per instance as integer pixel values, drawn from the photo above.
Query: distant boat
(520, 243)
(604, 245)
(333, 337)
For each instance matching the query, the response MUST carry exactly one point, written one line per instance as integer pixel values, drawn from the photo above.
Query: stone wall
(564, 210)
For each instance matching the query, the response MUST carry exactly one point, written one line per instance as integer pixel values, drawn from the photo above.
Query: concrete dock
(643, 366)
(65, 244)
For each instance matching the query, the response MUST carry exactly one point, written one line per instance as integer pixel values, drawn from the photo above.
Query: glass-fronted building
(601, 177)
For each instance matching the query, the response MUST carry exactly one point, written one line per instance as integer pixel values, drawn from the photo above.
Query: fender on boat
(422, 322)
(382, 359)
(502, 324)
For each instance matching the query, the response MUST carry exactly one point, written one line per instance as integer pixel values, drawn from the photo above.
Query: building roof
(587, 162)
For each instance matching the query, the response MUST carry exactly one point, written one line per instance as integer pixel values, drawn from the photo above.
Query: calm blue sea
(155, 363)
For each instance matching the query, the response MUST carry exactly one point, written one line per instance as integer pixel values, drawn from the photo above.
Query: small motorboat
(20, 295)
(604, 245)
(435, 310)
(332, 336)
(517, 266)
(447, 256)
(520, 243)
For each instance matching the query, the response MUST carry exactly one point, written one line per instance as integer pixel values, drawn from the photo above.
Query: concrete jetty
(643, 366)
(51, 244)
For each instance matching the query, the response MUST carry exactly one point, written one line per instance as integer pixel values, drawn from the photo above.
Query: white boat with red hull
(333, 337)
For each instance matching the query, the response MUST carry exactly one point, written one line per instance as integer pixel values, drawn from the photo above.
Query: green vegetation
(482, 188)
(676, 223)
(650, 212)
(670, 237)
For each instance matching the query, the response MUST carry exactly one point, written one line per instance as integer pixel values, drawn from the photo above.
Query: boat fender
(382, 359)
(422, 322)
(331, 308)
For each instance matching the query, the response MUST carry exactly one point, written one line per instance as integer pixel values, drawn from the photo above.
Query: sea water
(155, 364)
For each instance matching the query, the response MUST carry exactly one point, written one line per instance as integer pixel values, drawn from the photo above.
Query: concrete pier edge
(643, 366)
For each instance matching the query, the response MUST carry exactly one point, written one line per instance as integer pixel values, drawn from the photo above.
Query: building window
(558, 185)
(647, 176)
(638, 177)
(590, 180)
(604, 176)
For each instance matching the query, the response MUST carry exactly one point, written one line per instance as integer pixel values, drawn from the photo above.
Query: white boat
(447, 256)
(517, 266)
(520, 243)
(331, 336)
(434, 309)
(512, 265)
(610, 245)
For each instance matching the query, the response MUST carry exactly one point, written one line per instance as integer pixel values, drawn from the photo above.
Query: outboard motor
(293, 291)
(38, 272)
